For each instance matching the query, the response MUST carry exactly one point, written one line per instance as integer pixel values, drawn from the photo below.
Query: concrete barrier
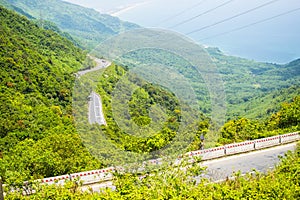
(209, 153)
(290, 137)
(267, 142)
(59, 180)
(239, 147)
(93, 176)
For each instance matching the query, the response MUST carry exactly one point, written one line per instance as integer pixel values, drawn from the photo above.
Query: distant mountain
(247, 83)
(18, 10)
(86, 25)
(254, 89)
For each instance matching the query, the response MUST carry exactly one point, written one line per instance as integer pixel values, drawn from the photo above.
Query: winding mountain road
(95, 111)
(101, 63)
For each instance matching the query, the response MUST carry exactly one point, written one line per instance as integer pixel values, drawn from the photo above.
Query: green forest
(39, 137)
(86, 25)
(37, 68)
(143, 98)
(261, 87)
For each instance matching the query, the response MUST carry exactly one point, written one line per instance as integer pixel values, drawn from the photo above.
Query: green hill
(265, 104)
(253, 89)
(245, 81)
(37, 134)
(87, 26)
(38, 137)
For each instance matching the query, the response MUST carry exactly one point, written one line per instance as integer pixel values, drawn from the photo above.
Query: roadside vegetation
(286, 120)
(173, 183)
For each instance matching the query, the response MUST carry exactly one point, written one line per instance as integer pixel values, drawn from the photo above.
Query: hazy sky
(276, 40)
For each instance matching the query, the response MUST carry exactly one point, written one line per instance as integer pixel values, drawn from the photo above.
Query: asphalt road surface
(262, 161)
(220, 169)
(96, 114)
(100, 65)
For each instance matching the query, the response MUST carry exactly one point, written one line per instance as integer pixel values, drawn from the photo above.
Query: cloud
(125, 8)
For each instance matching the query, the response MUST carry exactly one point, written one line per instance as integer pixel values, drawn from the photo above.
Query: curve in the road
(101, 63)
(95, 111)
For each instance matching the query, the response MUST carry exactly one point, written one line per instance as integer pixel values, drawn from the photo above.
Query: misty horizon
(274, 41)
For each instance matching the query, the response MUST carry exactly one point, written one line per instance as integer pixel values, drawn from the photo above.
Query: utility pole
(202, 141)
(1, 190)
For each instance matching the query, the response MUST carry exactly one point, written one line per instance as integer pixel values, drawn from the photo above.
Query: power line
(199, 15)
(252, 24)
(232, 17)
(182, 12)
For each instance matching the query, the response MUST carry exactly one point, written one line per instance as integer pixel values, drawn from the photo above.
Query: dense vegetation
(175, 64)
(261, 106)
(38, 137)
(141, 117)
(143, 98)
(287, 119)
(173, 183)
(37, 69)
(261, 86)
(87, 26)
(256, 82)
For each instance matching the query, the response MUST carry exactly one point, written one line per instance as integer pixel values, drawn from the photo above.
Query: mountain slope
(244, 79)
(36, 68)
(263, 105)
(38, 137)
(86, 25)
(251, 79)
(248, 84)
(36, 80)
